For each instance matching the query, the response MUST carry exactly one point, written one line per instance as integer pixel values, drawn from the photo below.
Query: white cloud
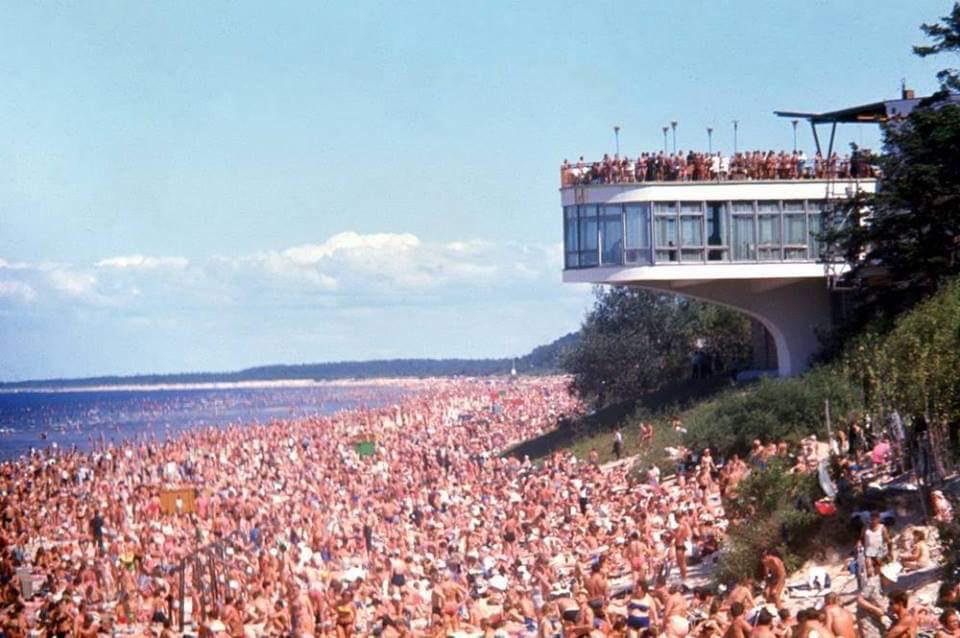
(143, 262)
(381, 262)
(350, 295)
(353, 245)
(75, 284)
(472, 247)
(17, 290)
(349, 269)
(16, 265)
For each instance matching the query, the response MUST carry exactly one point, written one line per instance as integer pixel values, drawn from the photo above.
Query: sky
(209, 186)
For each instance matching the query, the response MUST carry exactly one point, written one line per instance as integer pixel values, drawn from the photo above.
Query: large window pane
(691, 231)
(768, 207)
(611, 210)
(716, 232)
(741, 239)
(793, 206)
(688, 208)
(612, 237)
(588, 228)
(637, 241)
(815, 247)
(664, 208)
(794, 229)
(794, 254)
(665, 230)
(742, 207)
(768, 237)
(570, 241)
(769, 230)
(638, 225)
(588, 236)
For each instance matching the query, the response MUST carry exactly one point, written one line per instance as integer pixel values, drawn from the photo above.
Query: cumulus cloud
(80, 285)
(17, 291)
(348, 269)
(143, 262)
(350, 295)
(16, 265)
(472, 247)
(351, 245)
(383, 261)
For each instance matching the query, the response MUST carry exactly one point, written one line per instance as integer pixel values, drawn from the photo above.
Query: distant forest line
(542, 359)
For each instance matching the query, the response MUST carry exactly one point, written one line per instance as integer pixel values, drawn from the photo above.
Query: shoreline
(227, 385)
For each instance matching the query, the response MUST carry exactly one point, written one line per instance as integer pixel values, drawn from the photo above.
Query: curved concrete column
(792, 310)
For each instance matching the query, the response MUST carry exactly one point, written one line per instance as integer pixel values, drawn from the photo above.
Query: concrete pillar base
(792, 311)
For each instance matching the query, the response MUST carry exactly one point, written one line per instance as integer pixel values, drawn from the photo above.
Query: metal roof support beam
(833, 131)
(816, 138)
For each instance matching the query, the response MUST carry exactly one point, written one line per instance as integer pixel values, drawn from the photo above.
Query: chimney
(907, 94)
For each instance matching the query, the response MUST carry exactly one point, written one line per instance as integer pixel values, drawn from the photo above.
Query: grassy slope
(597, 430)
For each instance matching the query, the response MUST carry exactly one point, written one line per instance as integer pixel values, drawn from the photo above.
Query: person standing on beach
(96, 529)
(876, 543)
(775, 574)
(681, 536)
(596, 586)
(618, 444)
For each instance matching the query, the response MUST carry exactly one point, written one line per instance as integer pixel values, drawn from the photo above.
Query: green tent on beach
(365, 448)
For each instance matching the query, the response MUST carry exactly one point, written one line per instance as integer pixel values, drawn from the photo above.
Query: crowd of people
(701, 167)
(303, 528)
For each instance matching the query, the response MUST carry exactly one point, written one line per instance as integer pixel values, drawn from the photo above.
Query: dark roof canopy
(874, 112)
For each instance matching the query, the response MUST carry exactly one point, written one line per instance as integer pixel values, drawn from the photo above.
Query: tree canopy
(903, 242)
(946, 39)
(635, 341)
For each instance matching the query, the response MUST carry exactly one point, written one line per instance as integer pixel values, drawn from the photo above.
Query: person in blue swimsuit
(641, 609)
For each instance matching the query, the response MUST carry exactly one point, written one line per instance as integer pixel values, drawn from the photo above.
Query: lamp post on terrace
(710, 140)
(616, 135)
(794, 122)
(665, 129)
(735, 125)
(673, 125)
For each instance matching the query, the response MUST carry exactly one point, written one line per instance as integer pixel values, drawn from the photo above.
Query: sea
(84, 417)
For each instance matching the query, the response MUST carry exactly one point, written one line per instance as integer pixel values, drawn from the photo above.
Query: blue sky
(208, 186)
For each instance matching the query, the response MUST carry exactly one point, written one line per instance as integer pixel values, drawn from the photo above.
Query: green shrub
(950, 544)
(772, 410)
(912, 367)
(772, 510)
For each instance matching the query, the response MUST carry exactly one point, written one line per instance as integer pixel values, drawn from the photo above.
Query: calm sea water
(40, 419)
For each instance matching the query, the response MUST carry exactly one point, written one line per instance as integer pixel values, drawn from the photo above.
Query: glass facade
(717, 231)
(571, 241)
(611, 235)
(743, 238)
(637, 233)
(815, 221)
(692, 232)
